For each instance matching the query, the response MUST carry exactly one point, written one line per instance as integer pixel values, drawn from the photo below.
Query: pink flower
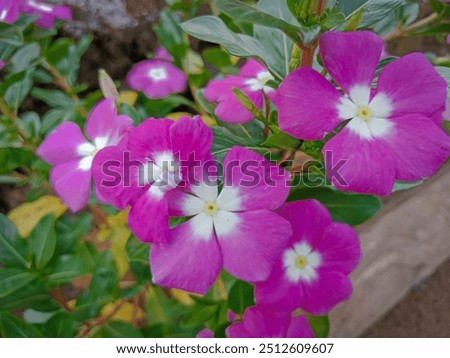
(235, 229)
(158, 77)
(259, 322)
(9, 10)
(252, 80)
(205, 333)
(157, 159)
(2, 65)
(312, 271)
(47, 14)
(71, 154)
(389, 134)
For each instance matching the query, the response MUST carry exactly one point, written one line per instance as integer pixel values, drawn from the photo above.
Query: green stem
(401, 32)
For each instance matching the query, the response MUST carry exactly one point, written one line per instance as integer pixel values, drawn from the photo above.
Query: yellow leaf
(27, 215)
(210, 121)
(125, 311)
(182, 296)
(118, 242)
(120, 219)
(177, 115)
(193, 63)
(128, 97)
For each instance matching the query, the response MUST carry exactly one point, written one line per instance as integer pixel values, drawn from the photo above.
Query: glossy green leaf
(66, 268)
(61, 325)
(240, 297)
(320, 325)
(350, 208)
(10, 34)
(16, 87)
(24, 57)
(13, 279)
(12, 326)
(43, 241)
(116, 329)
(13, 249)
(281, 140)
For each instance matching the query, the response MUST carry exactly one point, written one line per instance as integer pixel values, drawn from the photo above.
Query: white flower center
(301, 263)
(3, 14)
(42, 7)
(163, 173)
(259, 82)
(158, 74)
(368, 118)
(88, 151)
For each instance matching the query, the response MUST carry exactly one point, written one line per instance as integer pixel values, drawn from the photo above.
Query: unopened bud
(107, 85)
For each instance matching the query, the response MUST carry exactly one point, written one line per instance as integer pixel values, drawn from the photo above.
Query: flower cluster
(10, 11)
(202, 216)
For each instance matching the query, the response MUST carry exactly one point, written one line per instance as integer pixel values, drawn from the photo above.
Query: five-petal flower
(71, 154)
(391, 131)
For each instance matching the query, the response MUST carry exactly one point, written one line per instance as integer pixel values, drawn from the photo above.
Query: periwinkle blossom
(312, 271)
(71, 155)
(260, 322)
(10, 11)
(158, 77)
(252, 80)
(205, 333)
(235, 229)
(156, 160)
(390, 132)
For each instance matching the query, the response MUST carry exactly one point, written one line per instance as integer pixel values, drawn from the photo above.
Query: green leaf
(280, 139)
(433, 30)
(213, 29)
(16, 87)
(10, 34)
(30, 124)
(320, 325)
(218, 58)
(350, 208)
(12, 326)
(23, 57)
(43, 241)
(377, 10)
(445, 73)
(240, 297)
(13, 249)
(116, 329)
(237, 9)
(67, 268)
(12, 279)
(54, 98)
(33, 295)
(61, 325)
(103, 289)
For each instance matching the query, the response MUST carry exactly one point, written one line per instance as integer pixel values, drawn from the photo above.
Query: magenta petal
(162, 54)
(321, 295)
(351, 58)
(103, 122)
(413, 86)
(419, 147)
(339, 248)
(299, 328)
(192, 140)
(205, 333)
(308, 218)
(307, 105)
(277, 292)
(259, 322)
(9, 10)
(149, 217)
(61, 144)
(117, 182)
(230, 110)
(251, 68)
(359, 165)
(251, 182)
(188, 261)
(71, 184)
(217, 88)
(150, 137)
(251, 246)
